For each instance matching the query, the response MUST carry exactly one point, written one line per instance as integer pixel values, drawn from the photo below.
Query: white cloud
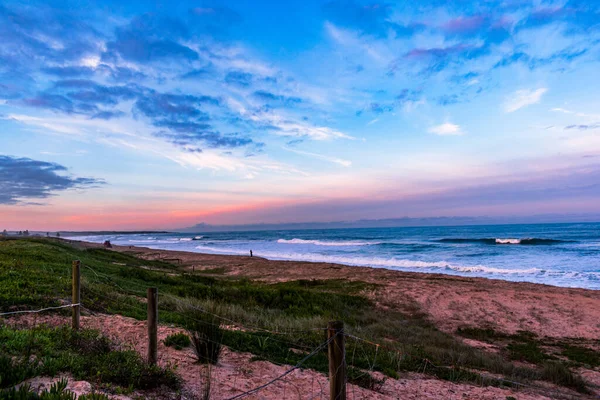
(342, 162)
(523, 98)
(288, 127)
(446, 129)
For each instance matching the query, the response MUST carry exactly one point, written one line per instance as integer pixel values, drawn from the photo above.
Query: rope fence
(39, 311)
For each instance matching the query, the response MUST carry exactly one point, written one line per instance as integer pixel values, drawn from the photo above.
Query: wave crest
(526, 241)
(326, 243)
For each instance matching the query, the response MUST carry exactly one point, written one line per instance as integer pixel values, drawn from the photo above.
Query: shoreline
(449, 301)
(477, 271)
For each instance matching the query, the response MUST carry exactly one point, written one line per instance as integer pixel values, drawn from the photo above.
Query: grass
(527, 347)
(37, 272)
(58, 391)
(178, 341)
(86, 354)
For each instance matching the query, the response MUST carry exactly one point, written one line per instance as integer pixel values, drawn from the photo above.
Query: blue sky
(162, 115)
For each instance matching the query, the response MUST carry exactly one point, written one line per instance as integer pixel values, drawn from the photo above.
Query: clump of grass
(178, 341)
(581, 355)
(560, 374)
(528, 351)
(205, 332)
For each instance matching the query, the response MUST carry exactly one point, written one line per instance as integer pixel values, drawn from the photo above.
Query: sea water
(556, 254)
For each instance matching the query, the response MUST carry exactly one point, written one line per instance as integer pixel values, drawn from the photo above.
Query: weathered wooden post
(152, 325)
(76, 297)
(337, 360)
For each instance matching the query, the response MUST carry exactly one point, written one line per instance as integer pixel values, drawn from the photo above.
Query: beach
(451, 302)
(429, 335)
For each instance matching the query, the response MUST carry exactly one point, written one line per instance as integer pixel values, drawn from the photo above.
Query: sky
(159, 115)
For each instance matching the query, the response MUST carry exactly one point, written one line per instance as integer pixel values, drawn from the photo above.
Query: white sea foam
(508, 241)
(392, 263)
(326, 243)
(185, 239)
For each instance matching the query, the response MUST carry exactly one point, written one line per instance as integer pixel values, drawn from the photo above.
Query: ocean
(555, 254)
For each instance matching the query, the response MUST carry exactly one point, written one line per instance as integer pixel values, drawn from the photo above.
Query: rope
(289, 371)
(39, 311)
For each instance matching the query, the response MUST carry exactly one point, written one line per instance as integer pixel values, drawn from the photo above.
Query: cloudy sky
(168, 114)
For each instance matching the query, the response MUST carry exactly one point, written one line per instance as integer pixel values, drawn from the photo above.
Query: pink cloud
(464, 24)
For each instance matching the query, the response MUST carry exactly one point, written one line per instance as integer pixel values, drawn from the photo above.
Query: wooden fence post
(152, 325)
(337, 360)
(76, 298)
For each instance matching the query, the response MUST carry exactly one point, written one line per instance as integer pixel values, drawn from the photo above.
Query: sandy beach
(449, 301)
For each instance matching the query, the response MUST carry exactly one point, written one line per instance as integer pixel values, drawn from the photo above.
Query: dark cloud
(65, 72)
(192, 133)
(435, 59)
(122, 74)
(23, 178)
(107, 95)
(106, 115)
(405, 96)
(140, 49)
(512, 59)
(29, 36)
(239, 78)
(448, 99)
(273, 98)
(295, 142)
(206, 71)
(83, 96)
(213, 15)
(580, 16)
(583, 127)
(151, 37)
(57, 102)
(372, 19)
(564, 56)
(174, 106)
(183, 121)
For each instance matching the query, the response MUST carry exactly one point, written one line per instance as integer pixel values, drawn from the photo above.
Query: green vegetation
(205, 330)
(281, 322)
(527, 347)
(57, 392)
(178, 341)
(581, 355)
(25, 353)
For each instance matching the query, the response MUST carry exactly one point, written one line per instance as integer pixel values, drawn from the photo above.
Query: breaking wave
(391, 263)
(327, 243)
(493, 241)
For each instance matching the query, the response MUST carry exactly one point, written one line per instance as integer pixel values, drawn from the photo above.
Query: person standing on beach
(250, 253)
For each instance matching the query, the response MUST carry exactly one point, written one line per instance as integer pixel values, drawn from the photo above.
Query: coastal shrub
(177, 340)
